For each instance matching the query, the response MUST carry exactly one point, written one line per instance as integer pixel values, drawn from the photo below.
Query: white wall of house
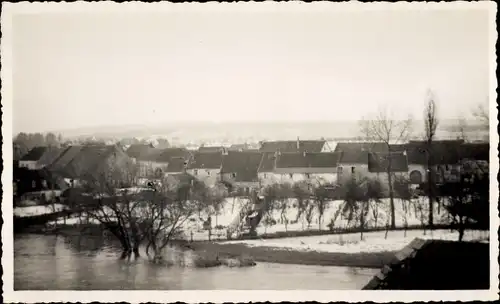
(30, 164)
(268, 178)
(209, 176)
(346, 170)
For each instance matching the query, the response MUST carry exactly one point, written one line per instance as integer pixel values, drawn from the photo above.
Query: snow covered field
(351, 243)
(37, 210)
(378, 216)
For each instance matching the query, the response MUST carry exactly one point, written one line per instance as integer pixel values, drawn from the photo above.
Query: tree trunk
(391, 197)
(461, 229)
(136, 251)
(461, 233)
(430, 192)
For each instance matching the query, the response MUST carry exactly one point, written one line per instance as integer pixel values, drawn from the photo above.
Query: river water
(43, 262)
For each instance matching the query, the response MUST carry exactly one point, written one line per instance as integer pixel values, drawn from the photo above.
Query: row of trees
(24, 142)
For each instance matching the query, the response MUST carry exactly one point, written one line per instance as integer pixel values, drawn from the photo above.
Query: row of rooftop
(301, 156)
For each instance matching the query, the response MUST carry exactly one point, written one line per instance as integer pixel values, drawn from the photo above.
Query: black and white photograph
(258, 151)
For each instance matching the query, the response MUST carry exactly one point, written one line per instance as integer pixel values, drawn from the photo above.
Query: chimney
(298, 143)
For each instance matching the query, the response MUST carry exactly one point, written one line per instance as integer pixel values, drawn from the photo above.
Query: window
(234, 175)
(195, 171)
(208, 172)
(265, 175)
(308, 175)
(291, 175)
(353, 169)
(447, 167)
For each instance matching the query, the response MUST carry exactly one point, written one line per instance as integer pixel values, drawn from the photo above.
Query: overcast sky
(76, 70)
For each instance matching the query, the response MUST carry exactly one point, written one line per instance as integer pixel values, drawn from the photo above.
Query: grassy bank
(284, 256)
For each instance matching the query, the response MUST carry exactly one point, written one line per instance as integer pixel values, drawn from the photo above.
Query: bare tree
(321, 199)
(284, 193)
(356, 202)
(384, 128)
(431, 123)
(168, 209)
(375, 191)
(402, 188)
(271, 195)
(482, 113)
(301, 194)
(118, 211)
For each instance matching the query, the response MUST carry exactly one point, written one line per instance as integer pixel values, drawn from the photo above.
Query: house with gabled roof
(444, 155)
(378, 165)
(86, 163)
(370, 159)
(239, 169)
(316, 168)
(286, 146)
(206, 167)
(153, 162)
(39, 157)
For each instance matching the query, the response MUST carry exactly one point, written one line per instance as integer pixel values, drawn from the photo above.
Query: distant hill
(229, 132)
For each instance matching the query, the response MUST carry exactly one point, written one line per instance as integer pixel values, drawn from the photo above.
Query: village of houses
(237, 171)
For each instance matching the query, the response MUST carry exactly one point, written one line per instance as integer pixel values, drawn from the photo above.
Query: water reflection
(83, 263)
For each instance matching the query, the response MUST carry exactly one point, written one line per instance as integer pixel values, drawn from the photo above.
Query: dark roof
(361, 146)
(34, 154)
(308, 160)
(291, 146)
(357, 152)
(244, 164)
(436, 265)
(379, 162)
(88, 160)
(238, 147)
(267, 162)
(354, 157)
(210, 149)
(442, 152)
(206, 160)
(475, 151)
(50, 155)
(176, 164)
(65, 157)
(167, 154)
(139, 150)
